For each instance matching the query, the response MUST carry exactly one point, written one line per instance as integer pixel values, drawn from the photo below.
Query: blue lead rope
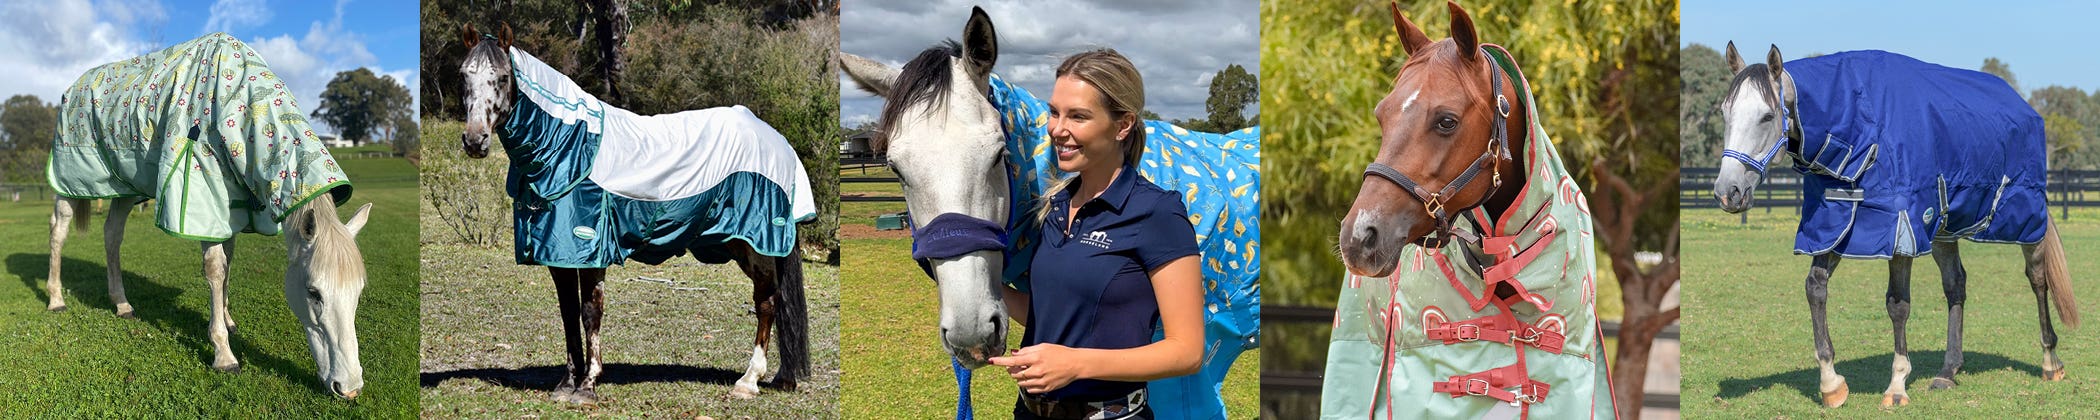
(962, 389)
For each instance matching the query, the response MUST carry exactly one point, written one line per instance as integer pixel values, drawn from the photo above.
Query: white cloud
(309, 62)
(48, 44)
(229, 15)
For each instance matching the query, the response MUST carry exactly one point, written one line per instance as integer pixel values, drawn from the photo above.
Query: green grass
(86, 362)
(492, 336)
(894, 364)
(1749, 353)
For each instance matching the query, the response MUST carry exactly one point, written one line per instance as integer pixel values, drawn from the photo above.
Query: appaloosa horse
(145, 129)
(596, 185)
(1900, 158)
(1471, 291)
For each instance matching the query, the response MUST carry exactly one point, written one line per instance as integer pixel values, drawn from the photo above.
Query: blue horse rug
(595, 185)
(202, 126)
(1219, 177)
(1900, 152)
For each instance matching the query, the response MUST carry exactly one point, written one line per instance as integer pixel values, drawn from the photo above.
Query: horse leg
(592, 295)
(112, 239)
(215, 275)
(1899, 315)
(62, 218)
(566, 290)
(1833, 384)
(230, 330)
(762, 271)
(2037, 278)
(1954, 281)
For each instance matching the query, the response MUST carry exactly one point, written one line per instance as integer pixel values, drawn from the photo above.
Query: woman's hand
(1043, 368)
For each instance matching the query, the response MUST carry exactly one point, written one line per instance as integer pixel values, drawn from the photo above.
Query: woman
(1108, 268)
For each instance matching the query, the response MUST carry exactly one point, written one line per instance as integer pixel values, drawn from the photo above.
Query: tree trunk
(609, 22)
(1618, 208)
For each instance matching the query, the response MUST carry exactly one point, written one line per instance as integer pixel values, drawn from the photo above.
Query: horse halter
(1436, 203)
(1788, 129)
(951, 235)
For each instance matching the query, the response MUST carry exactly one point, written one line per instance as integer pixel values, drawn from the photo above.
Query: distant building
(331, 140)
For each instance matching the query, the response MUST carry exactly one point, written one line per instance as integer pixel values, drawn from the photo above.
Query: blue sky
(2045, 42)
(47, 44)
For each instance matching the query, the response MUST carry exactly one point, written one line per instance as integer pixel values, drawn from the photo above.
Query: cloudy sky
(1177, 44)
(2047, 42)
(46, 44)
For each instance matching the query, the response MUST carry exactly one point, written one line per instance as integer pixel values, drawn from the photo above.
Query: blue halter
(1757, 163)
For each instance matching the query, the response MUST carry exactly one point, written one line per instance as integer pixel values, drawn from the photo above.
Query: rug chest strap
(1500, 328)
(1496, 383)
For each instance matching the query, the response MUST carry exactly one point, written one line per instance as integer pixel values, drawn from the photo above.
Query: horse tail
(83, 209)
(791, 328)
(2057, 277)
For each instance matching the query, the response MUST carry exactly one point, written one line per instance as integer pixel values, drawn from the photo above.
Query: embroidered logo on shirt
(1097, 238)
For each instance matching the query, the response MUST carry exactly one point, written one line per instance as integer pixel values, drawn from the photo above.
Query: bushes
(465, 197)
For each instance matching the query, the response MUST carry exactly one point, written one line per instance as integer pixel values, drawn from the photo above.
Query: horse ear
(1411, 37)
(1735, 60)
(1774, 60)
(980, 43)
(1462, 32)
(357, 221)
(468, 36)
(872, 76)
(503, 36)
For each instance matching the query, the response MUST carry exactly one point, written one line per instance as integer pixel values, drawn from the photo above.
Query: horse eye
(313, 294)
(1768, 118)
(1446, 124)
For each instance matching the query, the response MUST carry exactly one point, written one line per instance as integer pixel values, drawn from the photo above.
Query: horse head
(1441, 150)
(1757, 114)
(942, 136)
(489, 90)
(323, 279)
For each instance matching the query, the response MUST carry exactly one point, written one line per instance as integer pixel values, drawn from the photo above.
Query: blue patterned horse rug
(595, 185)
(1219, 177)
(1900, 152)
(203, 126)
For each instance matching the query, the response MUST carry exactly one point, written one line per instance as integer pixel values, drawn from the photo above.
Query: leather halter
(1436, 203)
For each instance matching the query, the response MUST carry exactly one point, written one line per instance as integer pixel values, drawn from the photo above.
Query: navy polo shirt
(1090, 286)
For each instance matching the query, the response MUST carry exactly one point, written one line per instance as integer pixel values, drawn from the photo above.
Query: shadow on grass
(544, 378)
(1870, 375)
(156, 305)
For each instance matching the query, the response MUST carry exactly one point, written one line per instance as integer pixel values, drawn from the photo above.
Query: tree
(1230, 92)
(27, 127)
(1700, 132)
(1999, 68)
(358, 103)
(609, 24)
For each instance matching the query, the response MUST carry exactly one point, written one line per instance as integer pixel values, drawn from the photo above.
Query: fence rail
(1782, 188)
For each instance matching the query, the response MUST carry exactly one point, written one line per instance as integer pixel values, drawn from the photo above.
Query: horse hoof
(57, 308)
(128, 315)
(576, 396)
(229, 367)
(790, 385)
(743, 393)
(1835, 399)
(1942, 383)
(2053, 375)
(1894, 400)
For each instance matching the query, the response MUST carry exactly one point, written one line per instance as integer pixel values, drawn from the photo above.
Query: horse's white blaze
(749, 383)
(1410, 102)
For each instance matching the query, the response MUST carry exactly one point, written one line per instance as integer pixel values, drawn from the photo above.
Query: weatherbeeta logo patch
(585, 233)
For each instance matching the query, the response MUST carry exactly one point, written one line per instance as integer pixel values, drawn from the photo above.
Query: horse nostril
(994, 319)
(1369, 236)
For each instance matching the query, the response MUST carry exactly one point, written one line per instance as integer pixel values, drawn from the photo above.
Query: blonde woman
(1117, 256)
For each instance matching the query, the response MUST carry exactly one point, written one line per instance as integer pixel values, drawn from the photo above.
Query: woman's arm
(1016, 305)
(1178, 286)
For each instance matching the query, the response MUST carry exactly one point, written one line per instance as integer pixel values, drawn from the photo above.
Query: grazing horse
(1900, 158)
(596, 185)
(1470, 250)
(145, 129)
(971, 152)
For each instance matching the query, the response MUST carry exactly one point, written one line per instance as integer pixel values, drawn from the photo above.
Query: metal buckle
(1502, 105)
(1533, 335)
(1484, 386)
(1434, 204)
(1468, 332)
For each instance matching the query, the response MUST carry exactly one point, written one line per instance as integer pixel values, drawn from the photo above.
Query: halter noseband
(1436, 203)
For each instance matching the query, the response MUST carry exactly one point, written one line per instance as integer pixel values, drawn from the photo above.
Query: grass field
(87, 363)
(894, 367)
(492, 334)
(1749, 353)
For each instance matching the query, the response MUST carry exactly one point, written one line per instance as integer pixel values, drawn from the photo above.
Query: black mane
(926, 78)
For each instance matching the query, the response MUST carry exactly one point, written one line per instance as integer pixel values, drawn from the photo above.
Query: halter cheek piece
(1787, 131)
(1436, 203)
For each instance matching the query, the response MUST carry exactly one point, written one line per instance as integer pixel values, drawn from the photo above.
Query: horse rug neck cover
(1898, 153)
(1444, 338)
(202, 126)
(1219, 177)
(595, 185)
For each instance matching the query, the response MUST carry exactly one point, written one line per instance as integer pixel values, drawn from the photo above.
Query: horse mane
(925, 79)
(1757, 76)
(334, 248)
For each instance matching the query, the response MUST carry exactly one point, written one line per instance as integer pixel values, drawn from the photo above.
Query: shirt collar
(1115, 197)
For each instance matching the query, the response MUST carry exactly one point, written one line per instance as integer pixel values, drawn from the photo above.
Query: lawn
(86, 362)
(893, 362)
(675, 337)
(1749, 353)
